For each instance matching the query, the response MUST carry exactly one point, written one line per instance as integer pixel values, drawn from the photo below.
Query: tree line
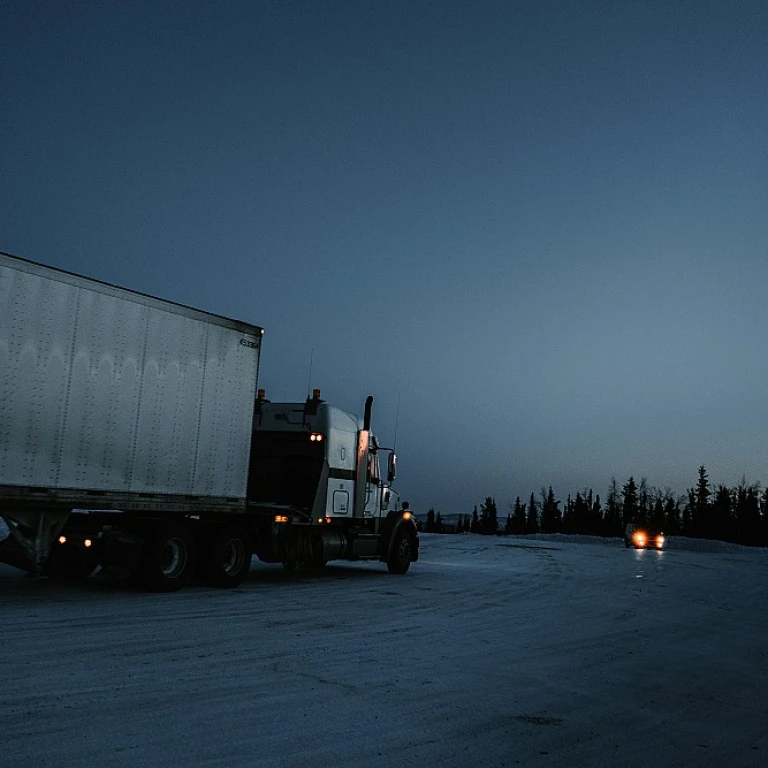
(737, 514)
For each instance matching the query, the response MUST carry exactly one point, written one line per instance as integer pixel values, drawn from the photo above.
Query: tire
(168, 562)
(230, 556)
(399, 560)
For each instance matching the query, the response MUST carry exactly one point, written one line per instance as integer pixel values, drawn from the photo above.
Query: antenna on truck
(397, 418)
(309, 381)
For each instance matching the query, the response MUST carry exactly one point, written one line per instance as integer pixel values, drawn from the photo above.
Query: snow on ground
(490, 652)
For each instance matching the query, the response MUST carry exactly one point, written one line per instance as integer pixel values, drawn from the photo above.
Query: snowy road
(490, 652)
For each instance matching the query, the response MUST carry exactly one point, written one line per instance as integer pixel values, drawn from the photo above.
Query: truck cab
(316, 474)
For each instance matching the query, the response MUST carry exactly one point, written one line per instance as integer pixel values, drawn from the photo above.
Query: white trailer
(127, 440)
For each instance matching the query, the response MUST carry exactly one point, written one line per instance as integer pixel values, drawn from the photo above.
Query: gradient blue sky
(542, 225)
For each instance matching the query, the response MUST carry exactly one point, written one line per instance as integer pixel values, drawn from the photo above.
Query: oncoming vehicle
(641, 537)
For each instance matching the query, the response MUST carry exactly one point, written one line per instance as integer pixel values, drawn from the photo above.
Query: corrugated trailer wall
(105, 389)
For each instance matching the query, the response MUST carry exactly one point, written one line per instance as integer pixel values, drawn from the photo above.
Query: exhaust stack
(367, 413)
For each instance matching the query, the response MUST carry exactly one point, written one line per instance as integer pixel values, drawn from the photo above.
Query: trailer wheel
(230, 557)
(399, 560)
(168, 562)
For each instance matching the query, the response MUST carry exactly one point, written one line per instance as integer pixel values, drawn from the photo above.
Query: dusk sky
(541, 226)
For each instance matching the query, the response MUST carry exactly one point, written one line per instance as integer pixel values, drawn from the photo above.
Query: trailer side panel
(107, 390)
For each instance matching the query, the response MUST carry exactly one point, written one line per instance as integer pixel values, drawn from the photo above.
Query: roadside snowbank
(672, 542)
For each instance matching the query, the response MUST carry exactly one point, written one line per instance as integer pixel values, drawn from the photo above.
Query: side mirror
(391, 467)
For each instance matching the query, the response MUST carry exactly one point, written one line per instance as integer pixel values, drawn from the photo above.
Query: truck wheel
(168, 562)
(399, 560)
(230, 557)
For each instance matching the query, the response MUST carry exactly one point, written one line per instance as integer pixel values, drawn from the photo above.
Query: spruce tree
(722, 515)
(672, 516)
(687, 527)
(518, 517)
(430, 525)
(629, 506)
(580, 515)
(489, 517)
(532, 520)
(701, 523)
(643, 502)
(550, 512)
(656, 518)
(613, 526)
(748, 521)
(570, 525)
(597, 522)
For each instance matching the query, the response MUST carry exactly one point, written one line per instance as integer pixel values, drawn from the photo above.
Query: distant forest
(738, 514)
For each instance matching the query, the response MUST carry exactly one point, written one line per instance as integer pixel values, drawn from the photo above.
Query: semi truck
(134, 437)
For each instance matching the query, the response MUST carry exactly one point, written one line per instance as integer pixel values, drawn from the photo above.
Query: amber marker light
(62, 539)
(406, 515)
(281, 518)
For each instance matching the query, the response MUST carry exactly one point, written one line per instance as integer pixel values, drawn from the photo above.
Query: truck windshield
(285, 468)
